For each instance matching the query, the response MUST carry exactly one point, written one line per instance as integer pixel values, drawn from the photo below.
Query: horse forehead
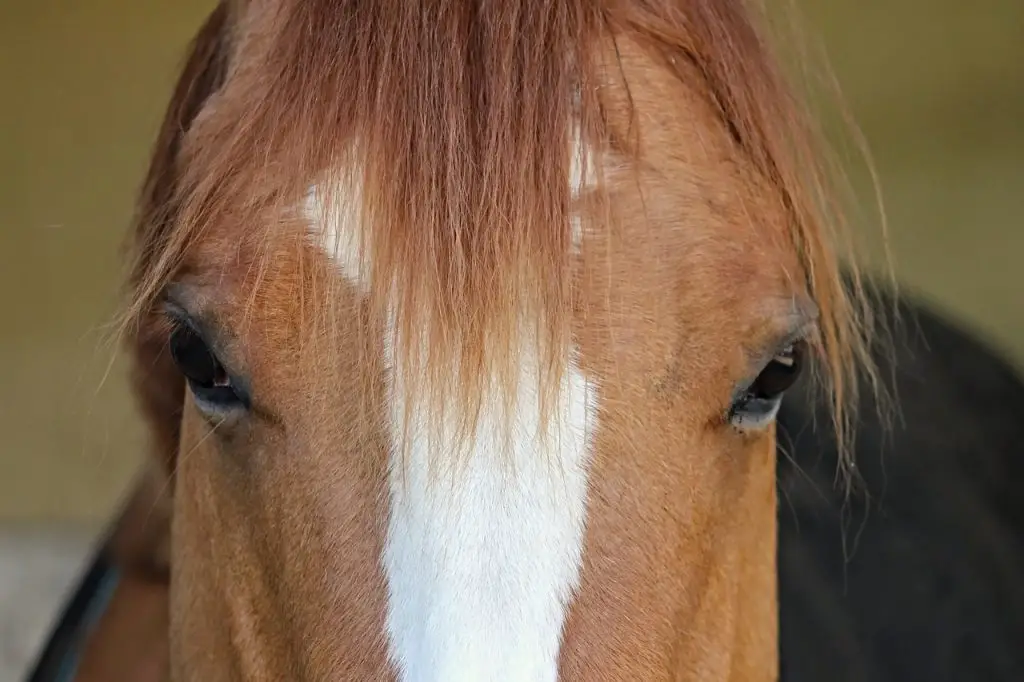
(497, 546)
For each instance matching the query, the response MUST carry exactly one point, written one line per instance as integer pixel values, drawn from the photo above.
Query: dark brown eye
(206, 377)
(759, 403)
(780, 374)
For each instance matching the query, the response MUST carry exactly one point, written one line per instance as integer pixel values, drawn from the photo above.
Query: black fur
(921, 575)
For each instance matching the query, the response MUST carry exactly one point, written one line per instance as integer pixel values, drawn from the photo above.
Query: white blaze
(481, 563)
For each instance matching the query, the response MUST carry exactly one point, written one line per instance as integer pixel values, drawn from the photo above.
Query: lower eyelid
(764, 414)
(216, 407)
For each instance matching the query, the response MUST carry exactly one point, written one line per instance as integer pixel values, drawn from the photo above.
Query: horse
(461, 329)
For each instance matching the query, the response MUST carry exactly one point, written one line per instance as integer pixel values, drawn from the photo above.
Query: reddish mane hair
(458, 116)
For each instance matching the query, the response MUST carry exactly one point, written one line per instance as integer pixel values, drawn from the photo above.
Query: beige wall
(84, 84)
(937, 85)
(938, 88)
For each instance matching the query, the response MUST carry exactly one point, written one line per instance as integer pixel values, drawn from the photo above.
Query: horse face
(372, 481)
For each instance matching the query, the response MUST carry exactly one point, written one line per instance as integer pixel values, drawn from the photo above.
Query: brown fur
(704, 236)
(130, 641)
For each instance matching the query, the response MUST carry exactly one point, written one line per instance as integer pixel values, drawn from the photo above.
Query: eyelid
(807, 332)
(178, 316)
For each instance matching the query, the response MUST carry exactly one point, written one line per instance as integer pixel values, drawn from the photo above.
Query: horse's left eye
(206, 377)
(760, 402)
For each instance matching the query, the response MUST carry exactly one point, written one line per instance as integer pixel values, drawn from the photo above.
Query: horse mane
(458, 116)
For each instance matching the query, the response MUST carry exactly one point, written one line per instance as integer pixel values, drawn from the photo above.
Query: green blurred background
(936, 85)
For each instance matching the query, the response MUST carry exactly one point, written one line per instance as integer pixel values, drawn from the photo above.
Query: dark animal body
(920, 574)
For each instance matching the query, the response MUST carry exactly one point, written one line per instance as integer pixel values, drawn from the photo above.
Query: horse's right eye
(209, 382)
